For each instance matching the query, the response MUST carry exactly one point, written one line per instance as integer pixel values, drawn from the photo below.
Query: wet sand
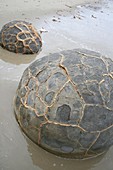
(78, 24)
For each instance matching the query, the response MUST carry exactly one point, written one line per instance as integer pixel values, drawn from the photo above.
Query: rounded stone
(20, 37)
(64, 103)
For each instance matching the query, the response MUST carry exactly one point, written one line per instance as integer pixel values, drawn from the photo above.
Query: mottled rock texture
(20, 37)
(64, 103)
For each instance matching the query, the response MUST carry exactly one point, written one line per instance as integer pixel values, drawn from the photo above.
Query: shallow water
(85, 26)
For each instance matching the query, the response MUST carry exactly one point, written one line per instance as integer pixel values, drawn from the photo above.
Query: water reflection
(92, 31)
(48, 161)
(17, 59)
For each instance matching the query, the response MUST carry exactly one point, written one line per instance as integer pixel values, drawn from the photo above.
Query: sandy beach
(66, 24)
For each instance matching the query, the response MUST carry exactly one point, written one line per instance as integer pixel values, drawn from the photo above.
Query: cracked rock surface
(20, 37)
(64, 103)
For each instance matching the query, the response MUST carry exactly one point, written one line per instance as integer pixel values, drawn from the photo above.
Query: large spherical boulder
(64, 103)
(20, 37)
